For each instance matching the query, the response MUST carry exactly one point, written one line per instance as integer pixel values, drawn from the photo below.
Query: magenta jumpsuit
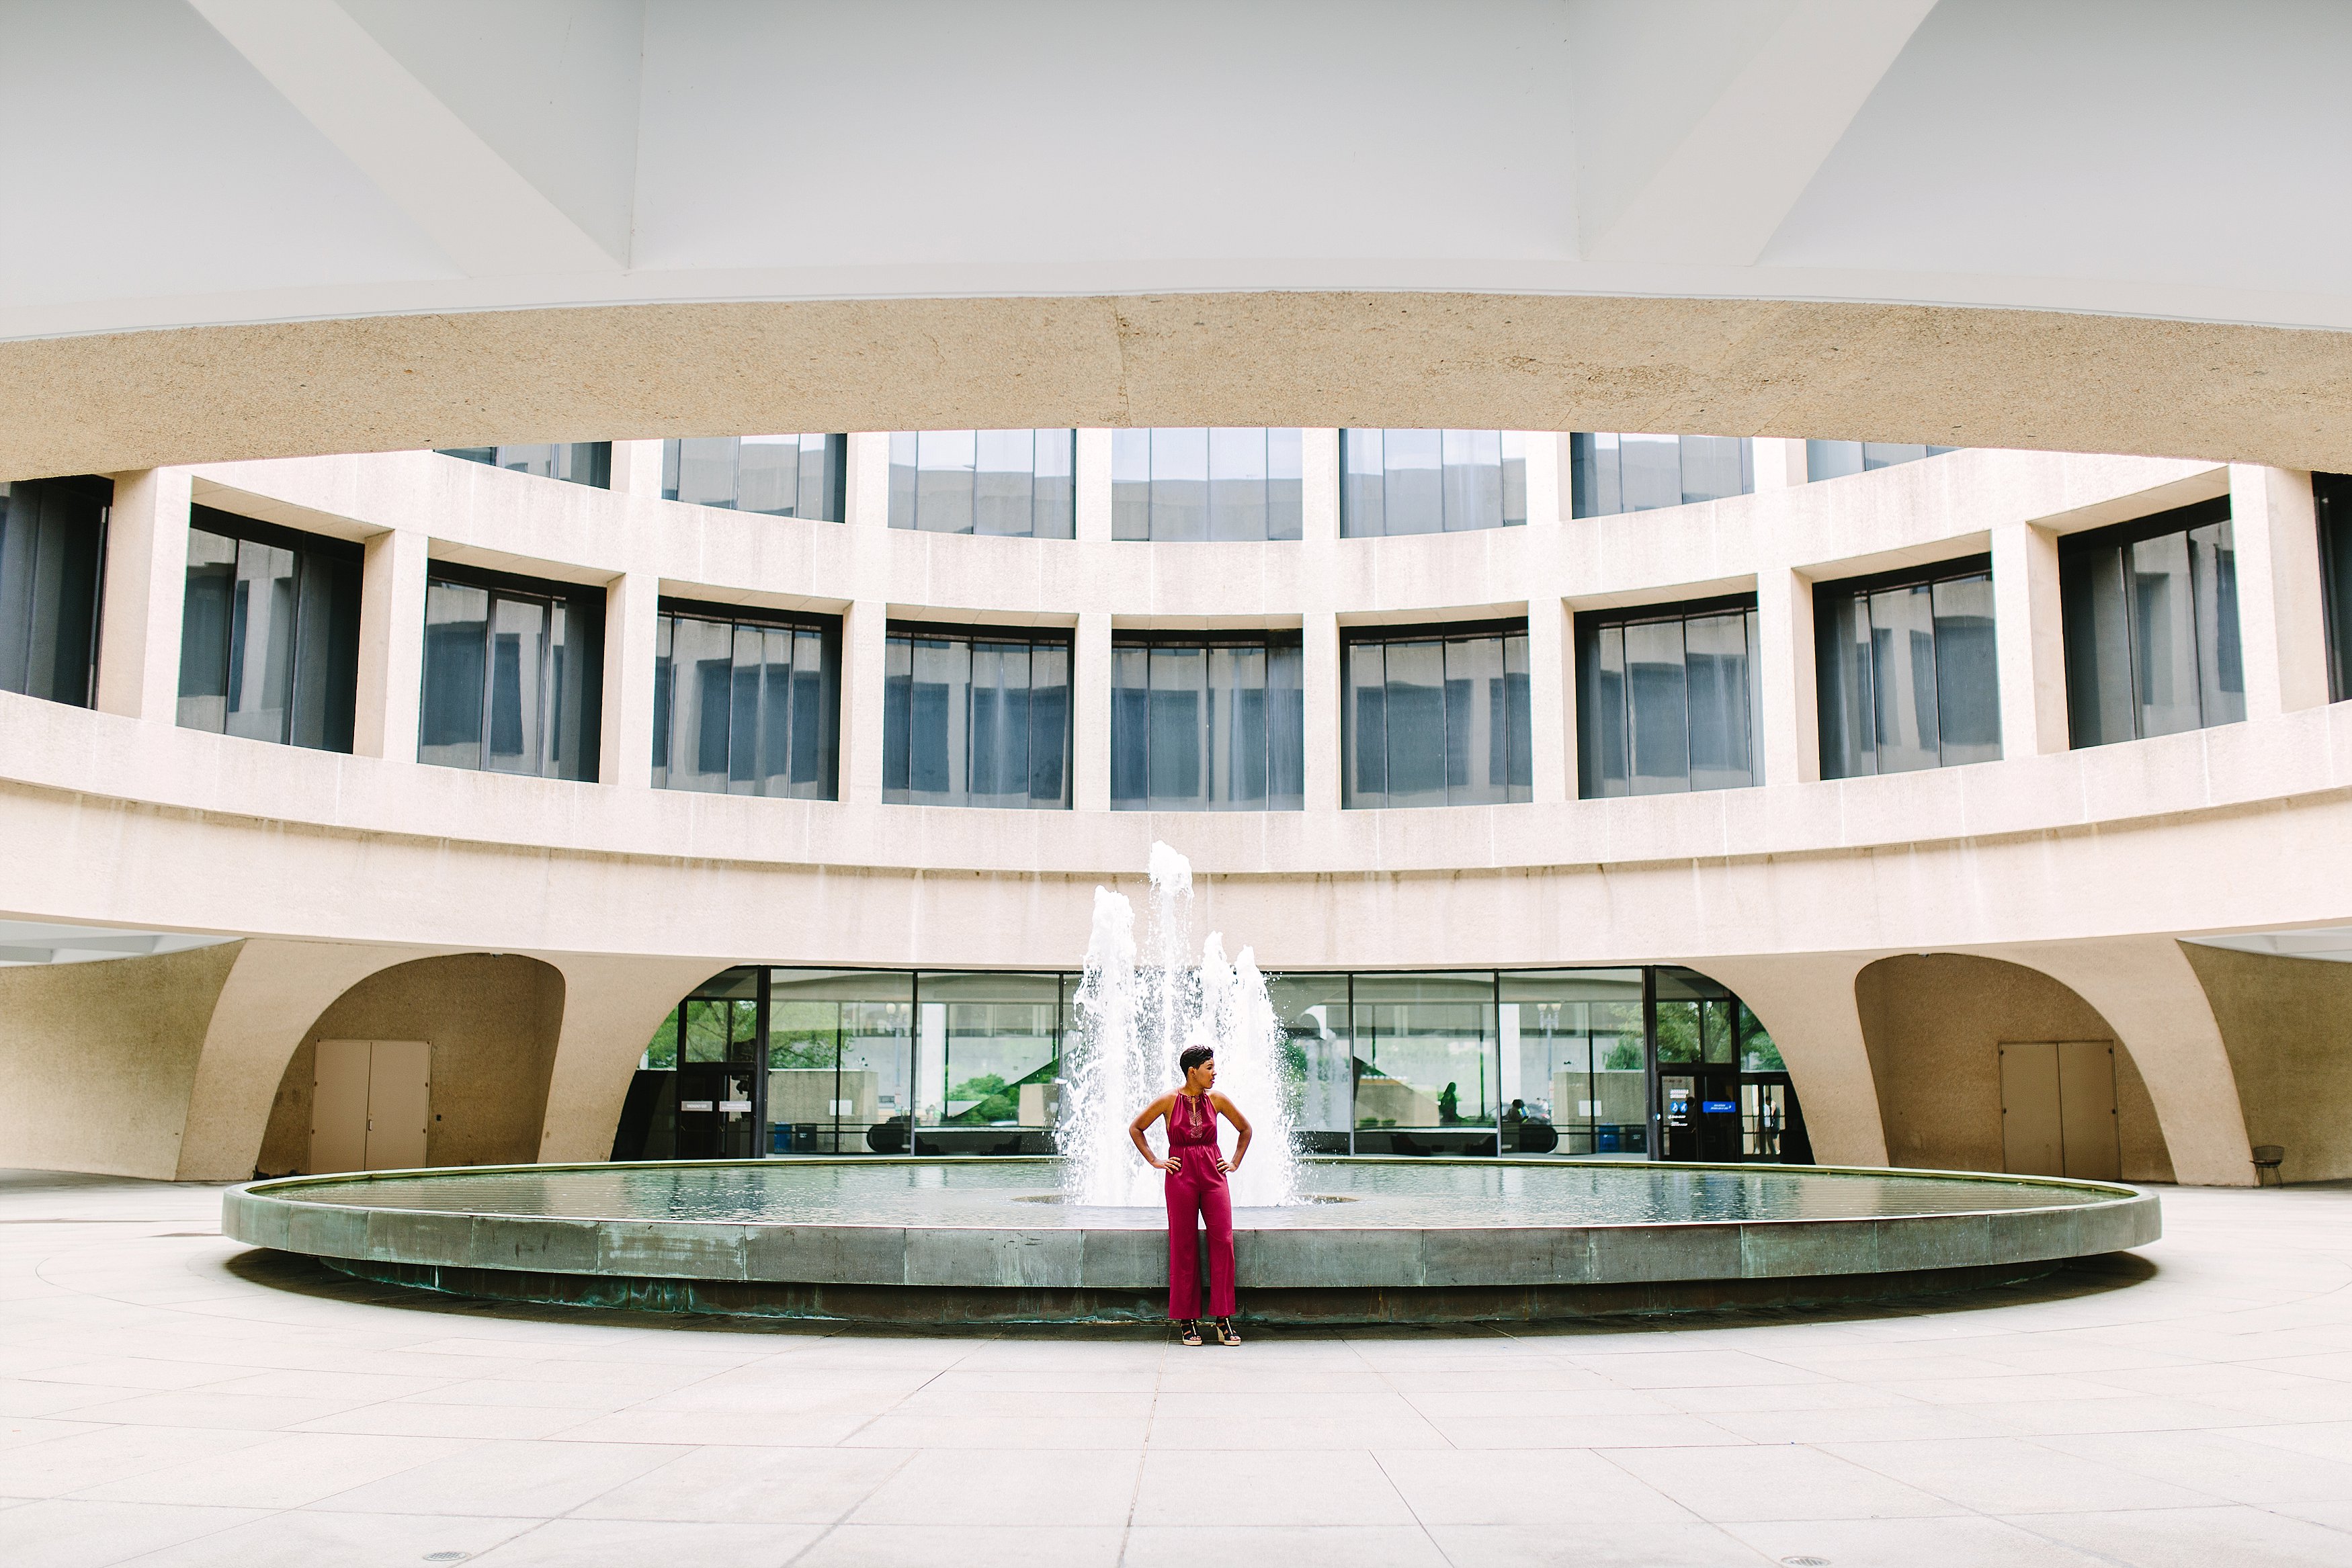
(1197, 1193)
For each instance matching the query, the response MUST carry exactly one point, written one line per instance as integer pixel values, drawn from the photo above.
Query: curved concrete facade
(2084, 865)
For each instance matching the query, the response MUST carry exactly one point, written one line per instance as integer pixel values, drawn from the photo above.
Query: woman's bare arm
(1152, 1113)
(1241, 1127)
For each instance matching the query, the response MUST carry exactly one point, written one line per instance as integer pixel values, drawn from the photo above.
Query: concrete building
(1998, 785)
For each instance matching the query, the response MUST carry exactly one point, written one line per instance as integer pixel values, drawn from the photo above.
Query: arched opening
(1959, 1045)
(487, 1025)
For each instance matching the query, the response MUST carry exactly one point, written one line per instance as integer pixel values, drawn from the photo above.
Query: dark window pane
(456, 624)
(1658, 704)
(1968, 675)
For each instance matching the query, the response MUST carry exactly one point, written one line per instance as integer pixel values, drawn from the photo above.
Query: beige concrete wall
(1934, 1022)
(2288, 1023)
(97, 1060)
(493, 1022)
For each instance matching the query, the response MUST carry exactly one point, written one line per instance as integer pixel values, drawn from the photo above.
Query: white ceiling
(2333, 943)
(41, 942)
(174, 162)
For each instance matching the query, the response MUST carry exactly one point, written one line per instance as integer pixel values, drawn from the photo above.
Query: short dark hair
(1194, 1056)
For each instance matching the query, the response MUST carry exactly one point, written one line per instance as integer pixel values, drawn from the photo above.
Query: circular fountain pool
(994, 1240)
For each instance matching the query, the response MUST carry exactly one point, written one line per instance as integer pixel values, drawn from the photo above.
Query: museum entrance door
(1699, 1114)
(715, 1110)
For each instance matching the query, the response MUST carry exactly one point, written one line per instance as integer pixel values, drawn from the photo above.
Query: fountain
(1080, 1237)
(1133, 1023)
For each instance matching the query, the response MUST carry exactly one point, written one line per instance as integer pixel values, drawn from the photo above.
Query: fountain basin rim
(296, 1213)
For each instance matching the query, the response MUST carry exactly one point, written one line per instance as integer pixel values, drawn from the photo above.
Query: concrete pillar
(624, 750)
(392, 645)
(1792, 731)
(1090, 711)
(2282, 620)
(1321, 674)
(1806, 1003)
(1778, 465)
(1318, 484)
(1547, 497)
(864, 649)
(866, 486)
(2145, 989)
(146, 585)
(637, 468)
(611, 1008)
(1551, 700)
(1092, 482)
(2029, 640)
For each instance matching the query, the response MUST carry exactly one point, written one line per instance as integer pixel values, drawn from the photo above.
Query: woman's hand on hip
(1228, 1166)
(1168, 1165)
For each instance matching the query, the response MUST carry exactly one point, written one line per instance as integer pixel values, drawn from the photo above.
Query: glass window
(746, 706)
(1012, 482)
(1831, 459)
(1612, 472)
(1905, 669)
(513, 675)
(1202, 724)
(575, 462)
(2151, 626)
(1430, 481)
(1192, 483)
(795, 475)
(1573, 1058)
(840, 1061)
(988, 1050)
(269, 633)
(1667, 699)
(1425, 1069)
(1318, 1071)
(1436, 717)
(976, 718)
(52, 543)
(2332, 497)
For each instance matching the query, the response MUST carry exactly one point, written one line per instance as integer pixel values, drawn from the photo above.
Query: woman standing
(1197, 1193)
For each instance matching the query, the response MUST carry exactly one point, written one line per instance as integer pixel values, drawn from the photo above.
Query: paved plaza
(168, 1397)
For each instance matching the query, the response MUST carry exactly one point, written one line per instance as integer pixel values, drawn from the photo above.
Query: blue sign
(1718, 1106)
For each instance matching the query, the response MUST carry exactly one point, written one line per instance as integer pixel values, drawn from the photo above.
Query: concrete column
(1806, 1004)
(1092, 479)
(624, 750)
(2281, 620)
(637, 468)
(611, 1009)
(1779, 464)
(866, 486)
(1792, 731)
(1546, 494)
(1551, 699)
(1090, 713)
(146, 585)
(865, 649)
(392, 645)
(1321, 674)
(2029, 640)
(1319, 488)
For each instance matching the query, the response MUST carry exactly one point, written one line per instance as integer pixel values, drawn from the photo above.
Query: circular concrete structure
(982, 1241)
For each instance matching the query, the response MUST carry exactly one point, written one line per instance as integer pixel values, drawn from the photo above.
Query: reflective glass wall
(2332, 496)
(1668, 699)
(976, 716)
(52, 547)
(1591, 1063)
(1221, 484)
(1016, 482)
(1905, 672)
(575, 462)
(269, 633)
(2151, 615)
(1205, 723)
(514, 674)
(1611, 472)
(1435, 715)
(1430, 481)
(1828, 459)
(777, 476)
(746, 703)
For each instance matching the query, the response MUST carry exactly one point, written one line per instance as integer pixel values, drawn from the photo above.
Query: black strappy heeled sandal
(1226, 1334)
(1192, 1334)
